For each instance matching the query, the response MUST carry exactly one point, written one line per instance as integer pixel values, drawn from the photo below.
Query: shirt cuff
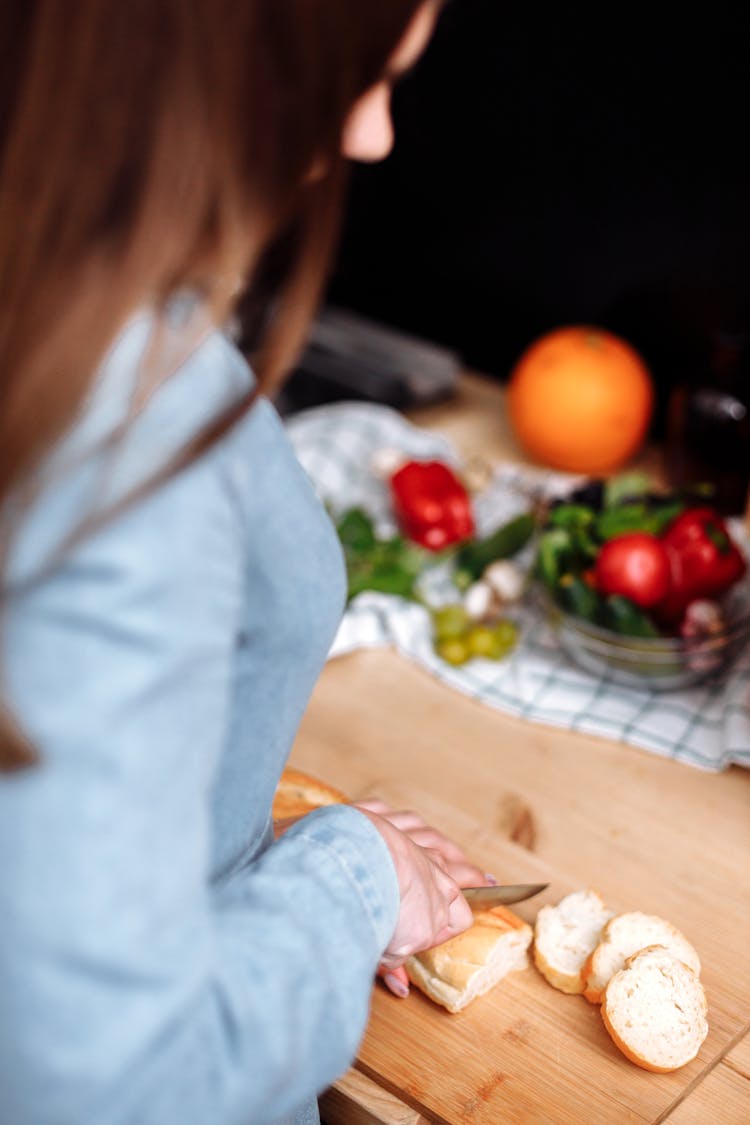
(349, 842)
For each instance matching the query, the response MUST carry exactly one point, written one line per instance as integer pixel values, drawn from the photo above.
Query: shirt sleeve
(132, 990)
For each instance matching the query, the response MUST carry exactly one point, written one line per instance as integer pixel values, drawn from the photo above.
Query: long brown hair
(156, 144)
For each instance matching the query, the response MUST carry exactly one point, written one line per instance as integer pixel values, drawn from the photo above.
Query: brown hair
(158, 144)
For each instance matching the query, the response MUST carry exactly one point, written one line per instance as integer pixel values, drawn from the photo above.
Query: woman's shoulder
(163, 381)
(165, 377)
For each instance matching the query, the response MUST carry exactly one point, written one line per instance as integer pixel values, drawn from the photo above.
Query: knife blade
(502, 895)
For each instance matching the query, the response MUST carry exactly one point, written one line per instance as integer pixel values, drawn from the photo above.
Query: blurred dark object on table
(708, 424)
(552, 170)
(351, 357)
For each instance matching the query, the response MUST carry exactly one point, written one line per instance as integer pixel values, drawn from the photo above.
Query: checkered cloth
(706, 726)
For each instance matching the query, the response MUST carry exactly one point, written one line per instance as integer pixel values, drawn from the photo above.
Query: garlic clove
(478, 600)
(505, 580)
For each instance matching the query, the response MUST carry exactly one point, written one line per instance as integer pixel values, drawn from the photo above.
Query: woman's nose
(368, 133)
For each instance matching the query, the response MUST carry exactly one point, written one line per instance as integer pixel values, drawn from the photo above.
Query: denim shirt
(162, 962)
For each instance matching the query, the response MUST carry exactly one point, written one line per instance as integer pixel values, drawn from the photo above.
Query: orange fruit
(580, 399)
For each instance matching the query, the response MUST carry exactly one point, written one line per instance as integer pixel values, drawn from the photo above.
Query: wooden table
(528, 801)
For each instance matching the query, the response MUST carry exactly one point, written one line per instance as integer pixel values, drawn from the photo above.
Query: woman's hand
(431, 870)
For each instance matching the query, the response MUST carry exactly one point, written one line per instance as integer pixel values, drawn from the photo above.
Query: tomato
(635, 565)
(705, 560)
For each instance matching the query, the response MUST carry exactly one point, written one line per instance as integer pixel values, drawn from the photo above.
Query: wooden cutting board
(647, 833)
(524, 1052)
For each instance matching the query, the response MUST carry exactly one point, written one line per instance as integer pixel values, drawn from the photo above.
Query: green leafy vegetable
(571, 516)
(474, 558)
(577, 597)
(636, 516)
(554, 554)
(620, 519)
(388, 566)
(625, 486)
(356, 531)
(624, 616)
(575, 530)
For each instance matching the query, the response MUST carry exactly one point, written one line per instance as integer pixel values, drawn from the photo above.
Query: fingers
(395, 980)
(448, 848)
(467, 875)
(431, 870)
(449, 857)
(405, 819)
(373, 804)
(460, 917)
(455, 917)
(455, 860)
(390, 963)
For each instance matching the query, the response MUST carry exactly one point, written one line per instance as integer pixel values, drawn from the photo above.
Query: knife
(501, 896)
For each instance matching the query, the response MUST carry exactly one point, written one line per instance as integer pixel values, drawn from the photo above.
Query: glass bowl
(654, 663)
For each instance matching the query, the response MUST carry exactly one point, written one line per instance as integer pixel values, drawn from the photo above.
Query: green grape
(450, 621)
(506, 634)
(483, 641)
(453, 650)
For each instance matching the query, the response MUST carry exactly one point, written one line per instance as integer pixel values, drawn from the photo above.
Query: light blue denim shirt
(160, 963)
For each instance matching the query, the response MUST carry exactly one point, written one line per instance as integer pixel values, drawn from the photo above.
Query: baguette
(298, 793)
(455, 972)
(654, 1008)
(565, 936)
(623, 936)
(468, 965)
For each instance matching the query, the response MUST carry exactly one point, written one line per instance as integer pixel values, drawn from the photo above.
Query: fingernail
(491, 879)
(396, 985)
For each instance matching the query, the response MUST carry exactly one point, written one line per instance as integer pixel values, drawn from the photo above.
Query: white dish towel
(705, 726)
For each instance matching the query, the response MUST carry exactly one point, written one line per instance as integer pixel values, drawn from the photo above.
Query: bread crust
(568, 932)
(593, 995)
(631, 969)
(666, 934)
(298, 793)
(569, 983)
(632, 1056)
(453, 973)
(468, 965)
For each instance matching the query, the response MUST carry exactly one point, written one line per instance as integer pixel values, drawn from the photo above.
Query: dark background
(554, 169)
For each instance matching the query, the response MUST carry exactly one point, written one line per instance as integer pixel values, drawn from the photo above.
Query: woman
(171, 584)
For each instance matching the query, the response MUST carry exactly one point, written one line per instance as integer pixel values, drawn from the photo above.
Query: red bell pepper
(704, 560)
(431, 504)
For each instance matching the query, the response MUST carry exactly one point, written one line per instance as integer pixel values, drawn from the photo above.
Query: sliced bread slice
(655, 1010)
(457, 971)
(565, 935)
(624, 935)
